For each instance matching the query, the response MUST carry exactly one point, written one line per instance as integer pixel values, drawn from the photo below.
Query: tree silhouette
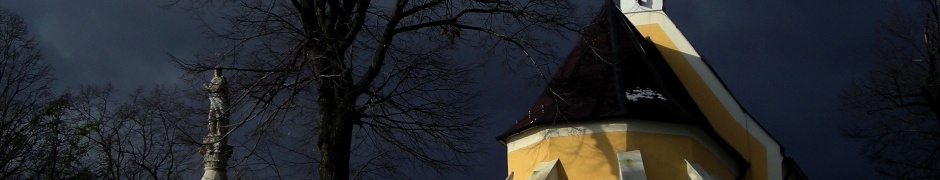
(30, 125)
(379, 84)
(897, 108)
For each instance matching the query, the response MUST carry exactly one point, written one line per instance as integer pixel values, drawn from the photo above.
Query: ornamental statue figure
(214, 149)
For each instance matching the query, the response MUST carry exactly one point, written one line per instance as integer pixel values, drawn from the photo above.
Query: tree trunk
(337, 112)
(335, 148)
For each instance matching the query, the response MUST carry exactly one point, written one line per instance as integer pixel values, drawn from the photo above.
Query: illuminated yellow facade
(589, 150)
(729, 145)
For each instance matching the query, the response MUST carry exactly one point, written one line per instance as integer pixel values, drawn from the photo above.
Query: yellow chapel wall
(591, 153)
(725, 115)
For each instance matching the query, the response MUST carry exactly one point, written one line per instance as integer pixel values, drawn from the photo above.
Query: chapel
(634, 100)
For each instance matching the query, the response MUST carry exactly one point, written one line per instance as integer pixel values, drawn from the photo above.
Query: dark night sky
(785, 61)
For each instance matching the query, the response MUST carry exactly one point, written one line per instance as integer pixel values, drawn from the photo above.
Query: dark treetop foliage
(86, 135)
(28, 129)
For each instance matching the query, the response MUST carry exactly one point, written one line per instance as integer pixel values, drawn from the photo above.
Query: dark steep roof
(612, 71)
(615, 72)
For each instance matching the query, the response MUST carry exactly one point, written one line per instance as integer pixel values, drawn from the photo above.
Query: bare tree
(383, 79)
(86, 135)
(30, 126)
(897, 109)
(142, 136)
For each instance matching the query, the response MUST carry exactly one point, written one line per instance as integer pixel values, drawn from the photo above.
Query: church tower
(634, 100)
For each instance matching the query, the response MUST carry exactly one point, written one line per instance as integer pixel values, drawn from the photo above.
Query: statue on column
(215, 151)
